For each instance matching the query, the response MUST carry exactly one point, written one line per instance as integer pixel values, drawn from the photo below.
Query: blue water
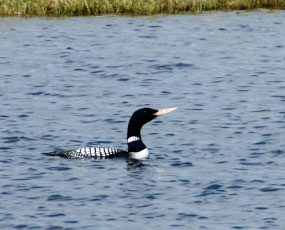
(218, 162)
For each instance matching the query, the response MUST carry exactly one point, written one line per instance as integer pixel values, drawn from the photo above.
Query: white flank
(92, 151)
(164, 111)
(139, 155)
(102, 152)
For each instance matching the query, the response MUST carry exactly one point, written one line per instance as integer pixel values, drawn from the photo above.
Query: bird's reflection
(133, 164)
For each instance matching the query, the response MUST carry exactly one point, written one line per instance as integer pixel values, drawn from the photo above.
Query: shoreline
(39, 8)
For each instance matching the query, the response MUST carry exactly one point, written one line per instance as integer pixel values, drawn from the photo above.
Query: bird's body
(136, 148)
(90, 152)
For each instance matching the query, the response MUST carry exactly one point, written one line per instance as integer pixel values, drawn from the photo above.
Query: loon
(136, 148)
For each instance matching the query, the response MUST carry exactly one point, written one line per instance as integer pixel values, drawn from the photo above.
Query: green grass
(131, 7)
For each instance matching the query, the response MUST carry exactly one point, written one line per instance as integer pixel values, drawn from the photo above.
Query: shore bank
(129, 7)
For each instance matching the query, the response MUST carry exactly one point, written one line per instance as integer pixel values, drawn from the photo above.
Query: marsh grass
(131, 7)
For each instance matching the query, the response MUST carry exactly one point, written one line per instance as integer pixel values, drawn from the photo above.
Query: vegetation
(132, 7)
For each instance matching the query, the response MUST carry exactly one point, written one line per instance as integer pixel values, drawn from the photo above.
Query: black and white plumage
(90, 152)
(136, 148)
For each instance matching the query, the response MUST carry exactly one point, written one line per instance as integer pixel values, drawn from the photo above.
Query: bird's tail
(59, 153)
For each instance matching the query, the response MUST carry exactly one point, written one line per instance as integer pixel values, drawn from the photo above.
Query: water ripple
(74, 82)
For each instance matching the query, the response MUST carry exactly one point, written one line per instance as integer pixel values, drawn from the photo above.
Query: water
(215, 163)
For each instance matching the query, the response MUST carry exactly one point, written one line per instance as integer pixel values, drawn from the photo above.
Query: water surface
(215, 163)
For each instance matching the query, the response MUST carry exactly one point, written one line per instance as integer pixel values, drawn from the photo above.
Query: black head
(141, 117)
(138, 119)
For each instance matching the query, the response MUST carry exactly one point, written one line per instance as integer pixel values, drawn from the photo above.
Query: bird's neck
(134, 131)
(135, 143)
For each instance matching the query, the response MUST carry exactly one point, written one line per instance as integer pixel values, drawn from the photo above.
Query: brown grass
(131, 7)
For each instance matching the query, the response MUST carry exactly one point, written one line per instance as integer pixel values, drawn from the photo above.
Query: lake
(217, 162)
